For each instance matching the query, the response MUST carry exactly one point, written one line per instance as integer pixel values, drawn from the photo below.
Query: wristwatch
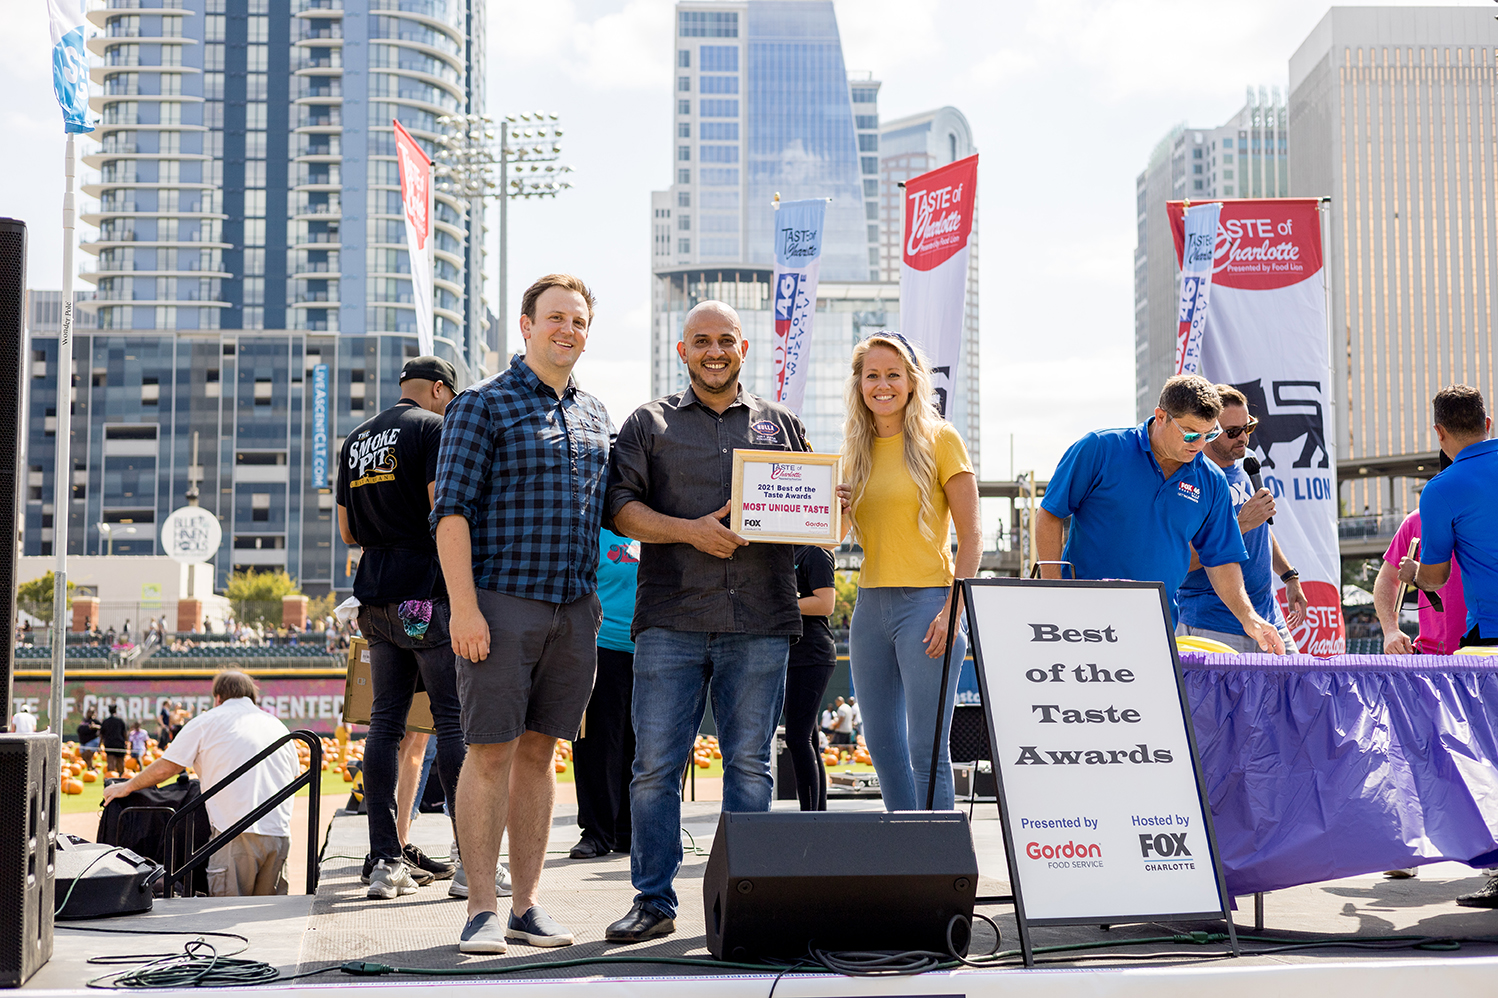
(1293, 573)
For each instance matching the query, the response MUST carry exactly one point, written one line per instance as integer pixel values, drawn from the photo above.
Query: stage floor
(301, 934)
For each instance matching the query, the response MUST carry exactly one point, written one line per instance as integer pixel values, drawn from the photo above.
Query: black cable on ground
(198, 965)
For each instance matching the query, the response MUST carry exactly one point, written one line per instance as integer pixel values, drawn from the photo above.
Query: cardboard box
(358, 693)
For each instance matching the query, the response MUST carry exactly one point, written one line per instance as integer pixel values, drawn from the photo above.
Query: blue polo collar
(1477, 450)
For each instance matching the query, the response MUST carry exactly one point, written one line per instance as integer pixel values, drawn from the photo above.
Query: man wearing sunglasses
(1140, 503)
(1202, 613)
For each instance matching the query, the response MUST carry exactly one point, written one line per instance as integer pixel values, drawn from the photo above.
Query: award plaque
(786, 497)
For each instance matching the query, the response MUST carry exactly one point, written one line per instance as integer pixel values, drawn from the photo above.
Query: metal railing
(309, 779)
(1372, 525)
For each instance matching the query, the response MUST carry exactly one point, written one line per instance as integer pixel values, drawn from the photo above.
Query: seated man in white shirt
(215, 744)
(24, 723)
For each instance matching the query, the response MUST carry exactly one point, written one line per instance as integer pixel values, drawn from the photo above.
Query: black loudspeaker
(12, 326)
(780, 883)
(968, 741)
(28, 849)
(96, 880)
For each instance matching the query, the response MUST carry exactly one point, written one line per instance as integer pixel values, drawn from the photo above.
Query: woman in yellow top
(909, 481)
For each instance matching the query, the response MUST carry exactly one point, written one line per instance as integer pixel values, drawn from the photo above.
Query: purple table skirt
(1325, 768)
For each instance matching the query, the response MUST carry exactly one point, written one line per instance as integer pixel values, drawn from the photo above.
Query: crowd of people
(542, 577)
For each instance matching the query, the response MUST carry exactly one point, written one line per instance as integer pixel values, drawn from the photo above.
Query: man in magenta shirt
(1440, 630)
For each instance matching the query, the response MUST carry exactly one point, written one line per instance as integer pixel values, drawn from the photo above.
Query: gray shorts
(539, 673)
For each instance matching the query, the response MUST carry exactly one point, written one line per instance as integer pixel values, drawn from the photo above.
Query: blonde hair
(921, 426)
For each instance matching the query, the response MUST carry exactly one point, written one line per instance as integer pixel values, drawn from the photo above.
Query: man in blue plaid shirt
(518, 506)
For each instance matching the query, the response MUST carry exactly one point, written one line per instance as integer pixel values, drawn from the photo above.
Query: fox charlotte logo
(1189, 491)
(1166, 851)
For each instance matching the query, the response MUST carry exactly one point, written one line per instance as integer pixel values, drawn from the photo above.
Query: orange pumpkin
(72, 787)
(89, 776)
(561, 767)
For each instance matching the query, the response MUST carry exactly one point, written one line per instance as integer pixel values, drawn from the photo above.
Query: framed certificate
(786, 497)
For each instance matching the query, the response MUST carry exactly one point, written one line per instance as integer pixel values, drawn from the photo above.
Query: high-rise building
(253, 293)
(1392, 117)
(1245, 157)
(909, 147)
(764, 105)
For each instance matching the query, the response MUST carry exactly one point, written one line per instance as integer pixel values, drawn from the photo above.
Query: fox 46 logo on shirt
(1188, 491)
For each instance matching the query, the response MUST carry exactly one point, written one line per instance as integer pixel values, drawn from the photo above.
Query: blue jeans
(899, 693)
(675, 672)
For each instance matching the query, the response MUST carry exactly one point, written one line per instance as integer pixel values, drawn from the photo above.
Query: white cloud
(626, 49)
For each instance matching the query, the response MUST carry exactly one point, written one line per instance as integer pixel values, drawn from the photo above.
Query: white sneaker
(458, 888)
(390, 880)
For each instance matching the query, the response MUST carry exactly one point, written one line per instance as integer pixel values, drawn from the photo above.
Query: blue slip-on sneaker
(482, 935)
(537, 928)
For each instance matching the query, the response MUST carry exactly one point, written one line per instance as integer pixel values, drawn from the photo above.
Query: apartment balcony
(315, 240)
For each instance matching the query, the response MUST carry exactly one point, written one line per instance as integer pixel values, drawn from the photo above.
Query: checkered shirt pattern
(526, 470)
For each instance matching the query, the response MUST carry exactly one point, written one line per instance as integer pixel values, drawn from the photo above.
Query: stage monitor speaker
(96, 880)
(12, 329)
(781, 882)
(28, 850)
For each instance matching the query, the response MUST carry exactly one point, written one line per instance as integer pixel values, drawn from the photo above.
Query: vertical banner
(1267, 314)
(320, 426)
(416, 195)
(798, 259)
(69, 63)
(1196, 283)
(933, 272)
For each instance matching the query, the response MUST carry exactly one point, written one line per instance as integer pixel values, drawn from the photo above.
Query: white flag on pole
(798, 261)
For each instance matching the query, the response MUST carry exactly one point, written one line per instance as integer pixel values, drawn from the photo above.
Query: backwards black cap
(431, 369)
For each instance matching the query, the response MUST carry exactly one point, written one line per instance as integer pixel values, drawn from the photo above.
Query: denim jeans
(675, 673)
(898, 689)
(395, 660)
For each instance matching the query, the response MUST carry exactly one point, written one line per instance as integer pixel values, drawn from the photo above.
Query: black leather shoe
(588, 848)
(640, 924)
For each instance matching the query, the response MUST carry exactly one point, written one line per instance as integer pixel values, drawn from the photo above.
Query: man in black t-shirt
(113, 738)
(387, 470)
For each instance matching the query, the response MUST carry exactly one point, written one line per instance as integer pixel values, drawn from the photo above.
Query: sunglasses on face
(1192, 437)
(1234, 432)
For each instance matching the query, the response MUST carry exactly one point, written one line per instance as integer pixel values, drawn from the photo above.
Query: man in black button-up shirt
(714, 614)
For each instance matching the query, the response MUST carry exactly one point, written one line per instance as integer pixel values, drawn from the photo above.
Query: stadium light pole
(527, 158)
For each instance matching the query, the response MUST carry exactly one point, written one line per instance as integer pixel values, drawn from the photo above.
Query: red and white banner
(416, 196)
(933, 274)
(1266, 335)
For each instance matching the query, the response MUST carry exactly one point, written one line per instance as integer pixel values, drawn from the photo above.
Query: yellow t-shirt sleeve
(951, 454)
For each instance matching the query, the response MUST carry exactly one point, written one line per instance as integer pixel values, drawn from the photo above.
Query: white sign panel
(191, 535)
(1099, 782)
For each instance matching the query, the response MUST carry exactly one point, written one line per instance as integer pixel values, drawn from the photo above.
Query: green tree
(35, 597)
(847, 595)
(256, 596)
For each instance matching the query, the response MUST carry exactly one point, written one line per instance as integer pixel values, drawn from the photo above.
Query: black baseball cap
(431, 369)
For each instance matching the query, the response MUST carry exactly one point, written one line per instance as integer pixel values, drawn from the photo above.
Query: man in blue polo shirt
(1458, 515)
(1140, 501)
(1202, 613)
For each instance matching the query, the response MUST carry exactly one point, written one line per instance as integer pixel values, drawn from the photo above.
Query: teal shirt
(618, 564)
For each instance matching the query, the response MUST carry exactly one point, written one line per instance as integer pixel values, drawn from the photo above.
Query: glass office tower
(764, 105)
(253, 287)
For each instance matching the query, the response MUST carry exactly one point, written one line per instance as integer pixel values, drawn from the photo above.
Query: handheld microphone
(1251, 465)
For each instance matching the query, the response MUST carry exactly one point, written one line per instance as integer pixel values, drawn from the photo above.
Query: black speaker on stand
(28, 852)
(12, 420)
(779, 882)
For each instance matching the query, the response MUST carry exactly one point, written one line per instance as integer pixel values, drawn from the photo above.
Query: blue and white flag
(69, 63)
(1196, 283)
(798, 259)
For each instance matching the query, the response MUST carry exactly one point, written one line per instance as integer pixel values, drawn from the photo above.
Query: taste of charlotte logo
(785, 472)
